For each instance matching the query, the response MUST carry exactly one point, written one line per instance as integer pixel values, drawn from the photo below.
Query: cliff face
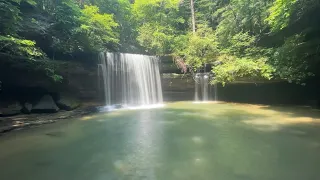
(20, 77)
(20, 81)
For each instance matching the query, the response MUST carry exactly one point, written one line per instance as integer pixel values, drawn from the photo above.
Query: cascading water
(215, 92)
(202, 90)
(130, 79)
(201, 87)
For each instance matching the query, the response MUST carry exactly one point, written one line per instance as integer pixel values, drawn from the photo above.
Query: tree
(193, 17)
(31, 29)
(123, 15)
(98, 29)
(159, 21)
(230, 35)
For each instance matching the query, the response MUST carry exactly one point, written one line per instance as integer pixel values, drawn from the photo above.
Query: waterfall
(130, 79)
(202, 90)
(196, 89)
(205, 85)
(215, 92)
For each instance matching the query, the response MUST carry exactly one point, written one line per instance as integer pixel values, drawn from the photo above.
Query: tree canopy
(233, 35)
(257, 39)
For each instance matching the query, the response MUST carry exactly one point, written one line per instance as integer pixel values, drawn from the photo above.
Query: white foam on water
(125, 107)
(151, 106)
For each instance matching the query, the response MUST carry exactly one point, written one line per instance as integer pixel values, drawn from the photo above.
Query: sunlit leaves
(242, 58)
(158, 20)
(280, 13)
(144, 8)
(99, 28)
(231, 68)
(199, 48)
(156, 37)
(19, 47)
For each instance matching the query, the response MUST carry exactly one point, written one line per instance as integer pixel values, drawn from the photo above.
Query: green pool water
(181, 141)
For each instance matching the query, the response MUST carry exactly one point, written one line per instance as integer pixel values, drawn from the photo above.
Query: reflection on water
(178, 142)
(141, 154)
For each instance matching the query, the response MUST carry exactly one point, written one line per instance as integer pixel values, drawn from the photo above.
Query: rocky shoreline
(21, 121)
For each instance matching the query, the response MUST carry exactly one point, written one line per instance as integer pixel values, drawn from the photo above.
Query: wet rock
(68, 103)
(45, 105)
(11, 109)
(27, 108)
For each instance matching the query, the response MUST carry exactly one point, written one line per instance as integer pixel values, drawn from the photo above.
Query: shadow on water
(296, 111)
(264, 118)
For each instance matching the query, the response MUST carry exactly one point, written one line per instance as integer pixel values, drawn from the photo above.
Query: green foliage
(159, 21)
(228, 33)
(226, 38)
(51, 73)
(198, 49)
(209, 11)
(10, 15)
(242, 16)
(62, 26)
(155, 37)
(290, 64)
(239, 44)
(99, 29)
(156, 10)
(64, 29)
(20, 47)
(238, 26)
(242, 58)
(285, 12)
(232, 67)
(123, 15)
(280, 13)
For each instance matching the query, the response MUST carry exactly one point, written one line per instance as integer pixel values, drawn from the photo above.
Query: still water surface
(182, 141)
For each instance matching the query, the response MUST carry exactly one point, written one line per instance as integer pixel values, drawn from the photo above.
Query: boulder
(11, 109)
(68, 103)
(46, 104)
(27, 108)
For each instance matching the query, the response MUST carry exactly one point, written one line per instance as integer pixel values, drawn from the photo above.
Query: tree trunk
(193, 16)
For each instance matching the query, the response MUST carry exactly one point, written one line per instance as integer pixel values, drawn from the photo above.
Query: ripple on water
(197, 139)
(171, 122)
(198, 161)
(189, 114)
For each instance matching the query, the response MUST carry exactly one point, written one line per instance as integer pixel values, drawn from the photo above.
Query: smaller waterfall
(205, 85)
(202, 91)
(215, 92)
(130, 79)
